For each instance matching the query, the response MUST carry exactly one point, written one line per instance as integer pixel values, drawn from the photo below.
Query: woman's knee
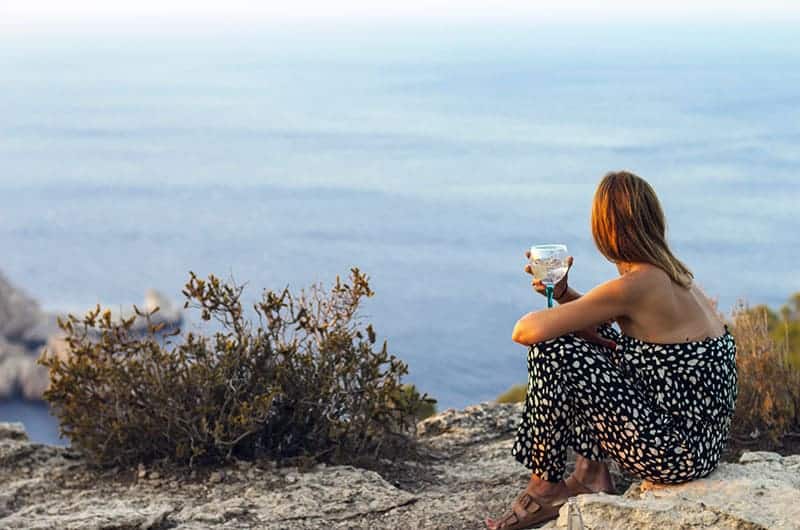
(557, 346)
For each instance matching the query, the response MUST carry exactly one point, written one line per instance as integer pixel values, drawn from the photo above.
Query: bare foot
(593, 474)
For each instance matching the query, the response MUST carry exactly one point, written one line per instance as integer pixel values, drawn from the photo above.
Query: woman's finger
(610, 344)
(598, 339)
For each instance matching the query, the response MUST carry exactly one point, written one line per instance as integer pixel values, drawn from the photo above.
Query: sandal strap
(508, 520)
(520, 516)
(522, 507)
(527, 509)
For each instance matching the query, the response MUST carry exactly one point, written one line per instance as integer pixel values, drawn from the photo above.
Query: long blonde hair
(628, 224)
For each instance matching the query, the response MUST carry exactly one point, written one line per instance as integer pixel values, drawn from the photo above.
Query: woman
(657, 397)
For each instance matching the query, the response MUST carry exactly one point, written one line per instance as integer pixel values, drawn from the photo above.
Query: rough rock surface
(21, 320)
(25, 330)
(762, 491)
(467, 474)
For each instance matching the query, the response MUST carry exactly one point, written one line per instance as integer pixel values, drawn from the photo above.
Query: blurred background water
(428, 157)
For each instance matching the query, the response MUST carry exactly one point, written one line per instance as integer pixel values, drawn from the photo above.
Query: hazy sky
(25, 11)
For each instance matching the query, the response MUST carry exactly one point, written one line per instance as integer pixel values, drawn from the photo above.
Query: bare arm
(605, 302)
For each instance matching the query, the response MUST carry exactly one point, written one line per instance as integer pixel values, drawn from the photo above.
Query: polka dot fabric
(662, 411)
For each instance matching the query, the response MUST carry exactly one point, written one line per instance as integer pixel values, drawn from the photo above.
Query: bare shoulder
(631, 286)
(711, 308)
(637, 283)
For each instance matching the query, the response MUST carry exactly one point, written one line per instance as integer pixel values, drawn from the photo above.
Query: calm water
(428, 158)
(40, 424)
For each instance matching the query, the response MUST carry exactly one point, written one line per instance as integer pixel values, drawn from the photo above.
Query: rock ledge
(468, 475)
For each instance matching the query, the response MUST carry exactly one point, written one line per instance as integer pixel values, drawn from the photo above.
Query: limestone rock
(20, 375)
(21, 319)
(24, 328)
(25, 331)
(10, 350)
(12, 431)
(167, 314)
(763, 492)
(467, 473)
(475, 424)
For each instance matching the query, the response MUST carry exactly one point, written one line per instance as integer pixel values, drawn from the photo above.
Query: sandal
(527, 513)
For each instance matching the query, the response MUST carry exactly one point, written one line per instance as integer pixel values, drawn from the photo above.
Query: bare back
(665, 312)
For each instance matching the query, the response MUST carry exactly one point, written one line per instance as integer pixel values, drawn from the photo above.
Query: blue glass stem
(549, 290)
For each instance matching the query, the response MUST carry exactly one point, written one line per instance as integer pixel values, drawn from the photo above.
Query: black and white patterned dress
(662, 411)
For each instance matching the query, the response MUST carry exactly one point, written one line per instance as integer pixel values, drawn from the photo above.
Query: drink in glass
(548, 264)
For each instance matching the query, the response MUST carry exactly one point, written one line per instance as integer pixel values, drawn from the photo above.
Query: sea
(428, 155)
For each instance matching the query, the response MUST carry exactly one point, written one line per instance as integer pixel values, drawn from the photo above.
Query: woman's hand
(561, 285)
(590, 333)
(593, 336)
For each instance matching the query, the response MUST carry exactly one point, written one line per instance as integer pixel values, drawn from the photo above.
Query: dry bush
(304, 382)
(784, 326)
(769, 386)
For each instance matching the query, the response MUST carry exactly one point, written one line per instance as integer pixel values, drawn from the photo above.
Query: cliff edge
(466, 473)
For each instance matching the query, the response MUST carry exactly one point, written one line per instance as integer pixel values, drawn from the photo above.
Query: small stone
(156, 520)
(13, 431)
(250, 493)
(748, 457)
(708, 517)
(154, 475)
(216, 477)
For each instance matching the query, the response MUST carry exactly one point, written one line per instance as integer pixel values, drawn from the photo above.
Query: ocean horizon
(430, 160)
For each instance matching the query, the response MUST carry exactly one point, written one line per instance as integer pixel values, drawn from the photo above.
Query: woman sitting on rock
(657, 397)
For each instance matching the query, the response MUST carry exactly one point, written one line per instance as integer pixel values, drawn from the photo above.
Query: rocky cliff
(25, 330)
(466, 473)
